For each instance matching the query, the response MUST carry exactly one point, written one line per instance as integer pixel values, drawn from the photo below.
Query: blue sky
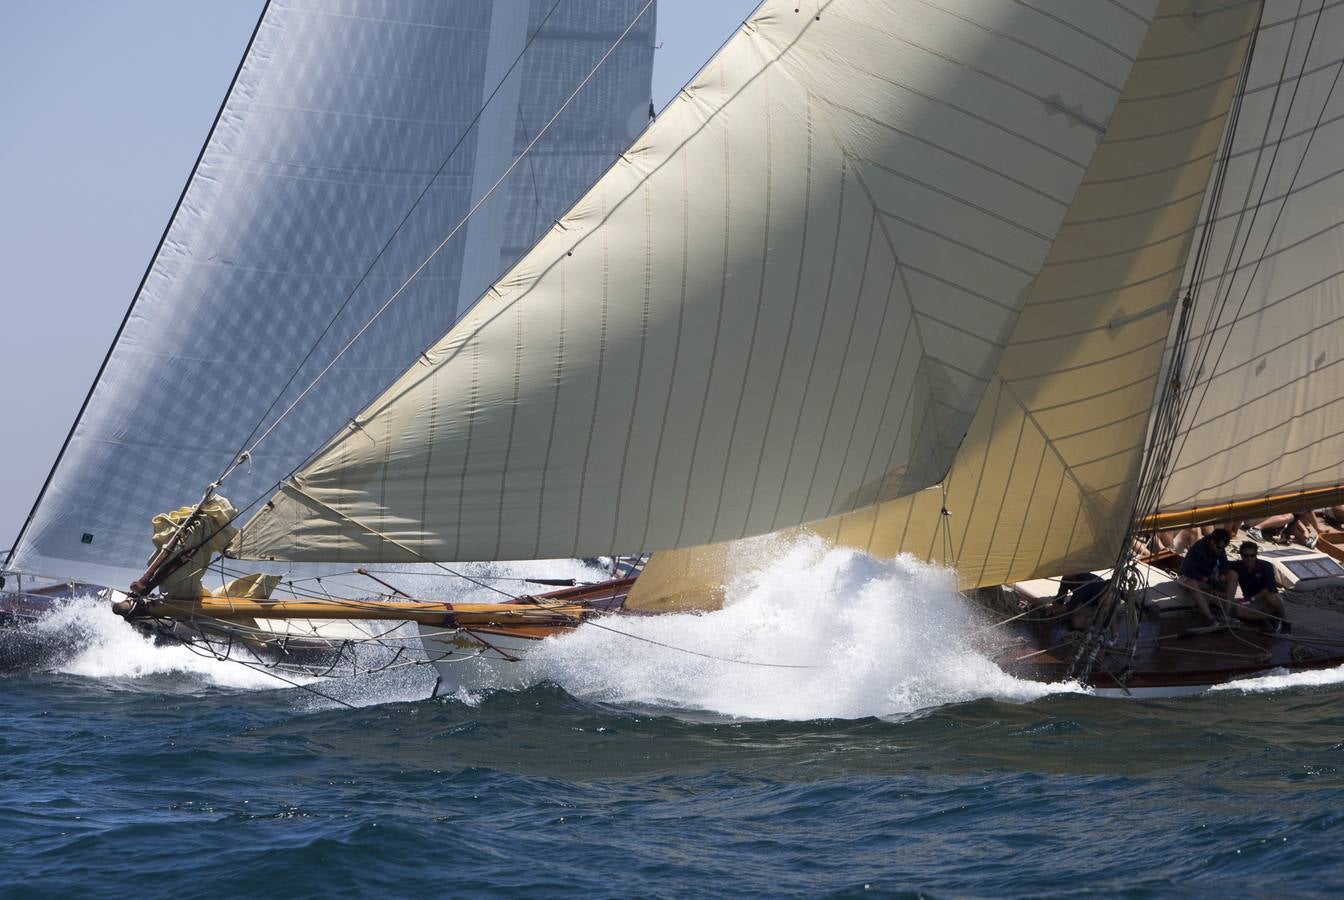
(104, 108)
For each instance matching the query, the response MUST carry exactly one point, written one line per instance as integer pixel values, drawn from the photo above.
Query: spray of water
(86, 638)
(870, 638)
(808, 632)
(1284, 680)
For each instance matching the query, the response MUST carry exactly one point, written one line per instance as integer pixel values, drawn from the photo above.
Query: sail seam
(844, 362)
(816, 343)
(863, 393)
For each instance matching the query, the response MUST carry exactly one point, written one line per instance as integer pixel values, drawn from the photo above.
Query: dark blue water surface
(166, 785)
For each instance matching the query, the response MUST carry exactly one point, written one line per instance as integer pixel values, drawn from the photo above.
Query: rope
(451, 234)
(277, 676)
(740, 662)
(242, 452)
(246, 454)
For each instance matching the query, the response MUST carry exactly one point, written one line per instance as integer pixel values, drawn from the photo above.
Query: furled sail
(1264, 386)
(342, 114)
(785, 302)
(1045, 479)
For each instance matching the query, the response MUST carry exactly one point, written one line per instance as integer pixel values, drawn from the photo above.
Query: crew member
(1260, 590)
(1204, 573)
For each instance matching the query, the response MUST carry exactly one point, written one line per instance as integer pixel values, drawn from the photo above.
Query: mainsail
(785, 302)
(1045, 480)
(1265, 408)
(352, 124)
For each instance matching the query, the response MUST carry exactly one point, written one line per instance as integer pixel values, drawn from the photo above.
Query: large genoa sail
(1046, 480)
(346, 118)
(785, 302)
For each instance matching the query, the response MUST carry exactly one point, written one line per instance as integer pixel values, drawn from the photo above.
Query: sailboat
(351, 143)
(994, 285)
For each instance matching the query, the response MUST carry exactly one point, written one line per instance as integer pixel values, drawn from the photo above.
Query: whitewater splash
(1283, 680)
(871, 638)
(84, 637)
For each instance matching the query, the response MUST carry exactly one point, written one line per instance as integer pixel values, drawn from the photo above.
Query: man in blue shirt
(1260, 589)
(1204, 573)
(1077, 596)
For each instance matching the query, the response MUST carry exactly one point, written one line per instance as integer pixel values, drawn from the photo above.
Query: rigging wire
(246, 454)
(451, 234)
(1155, 460)
(1157, 465)
(687, 650)
(135, 298)
(415, 204)
(1255, 269)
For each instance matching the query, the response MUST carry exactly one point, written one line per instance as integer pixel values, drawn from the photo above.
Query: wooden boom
(1240, 510)
(564, 607)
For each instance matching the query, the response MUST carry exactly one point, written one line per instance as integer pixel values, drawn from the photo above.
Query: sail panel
(1043, 482)
(785, 301)
(1265, 378)
(342, 113)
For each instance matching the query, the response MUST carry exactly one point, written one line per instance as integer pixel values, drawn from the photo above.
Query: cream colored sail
(1265, 393)
(1045, 478)
(785, 302)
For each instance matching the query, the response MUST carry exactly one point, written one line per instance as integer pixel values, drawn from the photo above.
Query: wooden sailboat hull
(1176, 653)
(475, 646)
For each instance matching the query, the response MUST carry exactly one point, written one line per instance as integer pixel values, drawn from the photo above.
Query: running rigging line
(415, 204)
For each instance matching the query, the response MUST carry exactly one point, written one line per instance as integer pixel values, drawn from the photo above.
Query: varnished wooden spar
(1239, 510)
(556, 608)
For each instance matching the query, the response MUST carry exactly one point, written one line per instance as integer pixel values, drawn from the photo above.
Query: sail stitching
(1273, 226)
(768, 194)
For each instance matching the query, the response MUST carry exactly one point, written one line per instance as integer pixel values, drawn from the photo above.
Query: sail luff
(919, 162)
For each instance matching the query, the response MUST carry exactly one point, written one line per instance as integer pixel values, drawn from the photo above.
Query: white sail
(1264, 382)
(341, 114)
(785, 302)
(1045, 479)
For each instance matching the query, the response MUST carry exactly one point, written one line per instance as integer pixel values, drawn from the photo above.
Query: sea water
(837, 729)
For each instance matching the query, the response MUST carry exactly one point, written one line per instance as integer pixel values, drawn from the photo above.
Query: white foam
(104, 646)
(877, 638)
(1282, 680)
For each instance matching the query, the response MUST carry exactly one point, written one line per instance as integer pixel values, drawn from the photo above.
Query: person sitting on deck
(1334, 515)
(1084, 590)
(1260, 590)
(1302, 527)
(1204, 573)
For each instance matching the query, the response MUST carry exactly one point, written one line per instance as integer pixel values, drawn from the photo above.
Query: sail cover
(1264, 402)
(1045, 478)
(784, 302)
(341, 115)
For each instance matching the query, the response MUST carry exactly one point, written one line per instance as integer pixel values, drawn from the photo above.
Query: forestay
(342, 112)
(1045, 479)
(785, 302)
